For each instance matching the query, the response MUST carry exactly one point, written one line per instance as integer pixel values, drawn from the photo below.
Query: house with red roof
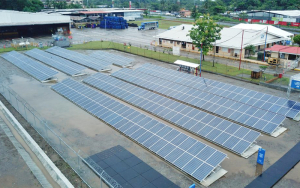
(289, 55)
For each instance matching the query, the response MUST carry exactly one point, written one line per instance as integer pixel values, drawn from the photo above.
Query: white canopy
(185, 63)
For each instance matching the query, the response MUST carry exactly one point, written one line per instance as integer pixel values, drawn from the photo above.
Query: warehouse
(280, 17)
(128, 14)
(25, 24)
(231, 39)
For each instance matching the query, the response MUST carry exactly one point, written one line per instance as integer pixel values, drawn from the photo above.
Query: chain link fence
(91, 173)
(226, 67)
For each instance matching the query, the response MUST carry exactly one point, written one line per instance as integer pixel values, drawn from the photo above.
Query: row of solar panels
(226, 134)
(187, 154)
(256, 99)
(58, 58)
(113, 58)
(259, 119)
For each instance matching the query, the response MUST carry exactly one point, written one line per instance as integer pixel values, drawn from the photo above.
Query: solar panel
(79, 58)
(113, 58)
(212, 128)
(127, 169)
(59, 63)
(252, 117)
(140, 128)
(261, 100)
(30, 66)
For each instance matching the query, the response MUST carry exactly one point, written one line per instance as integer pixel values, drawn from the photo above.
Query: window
(178, 43)
(291, 57)
(171, 42)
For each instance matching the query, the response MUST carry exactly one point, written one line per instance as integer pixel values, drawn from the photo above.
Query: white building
(231, 38)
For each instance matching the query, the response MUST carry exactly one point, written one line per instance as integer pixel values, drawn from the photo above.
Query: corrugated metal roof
(93, 12)
(230, 37)
(15, 18)
(291, 13)
(285, 49)
(271, 29)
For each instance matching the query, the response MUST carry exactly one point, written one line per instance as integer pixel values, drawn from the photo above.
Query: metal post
(214, 55)
(34, 120)
(17, 104)
(200, 61)
(241, 51)
(10, 97)
(25, 112)
(265, 45)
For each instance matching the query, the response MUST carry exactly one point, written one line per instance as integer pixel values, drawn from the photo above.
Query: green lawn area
(166, 57)
(206, 65)
(2, 50)
(251, 57)
(164, 24)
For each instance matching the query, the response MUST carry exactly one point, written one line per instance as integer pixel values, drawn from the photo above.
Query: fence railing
(91, 173)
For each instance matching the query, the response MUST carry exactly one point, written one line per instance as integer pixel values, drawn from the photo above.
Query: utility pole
(214, 54)
(200, 61)
(265, 45)
(241, 51)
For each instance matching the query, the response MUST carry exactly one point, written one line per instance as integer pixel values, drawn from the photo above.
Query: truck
(148, 25)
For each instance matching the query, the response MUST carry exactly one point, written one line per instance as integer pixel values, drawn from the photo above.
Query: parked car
(178, 16)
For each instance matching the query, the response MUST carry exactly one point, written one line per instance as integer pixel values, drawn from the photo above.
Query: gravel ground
(14, 171)
(90, 135)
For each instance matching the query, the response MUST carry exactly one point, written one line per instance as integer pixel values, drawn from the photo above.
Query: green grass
(206, 65)
(2, 50)
(253, 58)
(165, 24)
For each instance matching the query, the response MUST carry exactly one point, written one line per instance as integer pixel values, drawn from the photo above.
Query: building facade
(231, 39)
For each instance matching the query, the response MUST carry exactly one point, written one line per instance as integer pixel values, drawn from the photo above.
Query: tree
(217, 9)
(146, 12)
(48, 4)
(250, 49)
(137, 4)
(155, 6)
(174, 7)
(72, 5)
(297, 39)
(163, 5)
(205, 32)
(194, 13)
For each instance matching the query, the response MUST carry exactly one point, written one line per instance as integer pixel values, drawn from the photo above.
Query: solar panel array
(113, 58)
(59, 63)
(30, 66)
(79, 58)
(217, 130)
(189, 155)
(261, 100)
(259, 119)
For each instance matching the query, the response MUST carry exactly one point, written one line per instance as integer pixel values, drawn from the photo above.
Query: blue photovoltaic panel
(113, 58)
(210, 127)
(260, 100)
(141, 128)
(56, 62)
(30, 66)
(259, 119)
(79, 58)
